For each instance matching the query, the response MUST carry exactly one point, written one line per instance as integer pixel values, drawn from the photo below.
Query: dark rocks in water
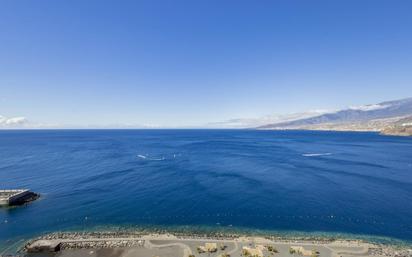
(14, 197)
(29, 197)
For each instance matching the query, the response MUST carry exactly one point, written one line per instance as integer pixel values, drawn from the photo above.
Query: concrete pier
(44, 246)
(16, 197)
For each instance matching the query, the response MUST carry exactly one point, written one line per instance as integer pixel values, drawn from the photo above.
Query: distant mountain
(269, 119)
(373, 117)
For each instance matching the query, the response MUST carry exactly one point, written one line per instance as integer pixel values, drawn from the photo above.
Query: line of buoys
(223, 215)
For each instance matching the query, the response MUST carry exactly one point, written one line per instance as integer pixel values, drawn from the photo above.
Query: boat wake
(144, 157)
(315, 154)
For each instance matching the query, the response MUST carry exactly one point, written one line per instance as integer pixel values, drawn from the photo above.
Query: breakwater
(17, 197)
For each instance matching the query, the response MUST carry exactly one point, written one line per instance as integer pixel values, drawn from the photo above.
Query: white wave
(176, 155)
(157, 159)
(315, 154)
(144, 157)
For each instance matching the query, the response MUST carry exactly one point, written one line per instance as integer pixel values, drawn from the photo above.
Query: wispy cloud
(256, 122)
(14, 122)
(24, 123)
(369, 107)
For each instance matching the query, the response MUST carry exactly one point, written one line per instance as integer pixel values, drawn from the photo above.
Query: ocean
(303, 181)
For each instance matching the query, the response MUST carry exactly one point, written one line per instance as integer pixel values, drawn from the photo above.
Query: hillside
(387, 117)
(402, 127)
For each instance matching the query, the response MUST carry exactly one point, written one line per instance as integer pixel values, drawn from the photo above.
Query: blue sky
(185, 63)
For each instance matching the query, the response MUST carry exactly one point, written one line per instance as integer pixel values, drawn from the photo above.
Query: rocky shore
(101, 244)
(137, 239)
(390, 251)
(86, 235)
(215, 235)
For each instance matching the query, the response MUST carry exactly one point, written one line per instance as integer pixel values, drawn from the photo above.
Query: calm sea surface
(357, 183)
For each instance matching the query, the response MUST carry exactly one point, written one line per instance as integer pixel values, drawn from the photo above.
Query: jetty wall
(10, 197)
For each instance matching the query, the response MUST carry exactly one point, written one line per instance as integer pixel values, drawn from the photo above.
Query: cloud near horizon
(369, 107)
(22, 122)
(12, 122)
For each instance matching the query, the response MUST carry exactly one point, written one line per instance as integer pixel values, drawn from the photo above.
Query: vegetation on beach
(272, 249)
(199, 250)
(245, 253)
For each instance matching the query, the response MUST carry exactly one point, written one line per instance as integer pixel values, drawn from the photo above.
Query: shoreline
(139, 240)
(221, 231)
(13, 245)
(379, 132)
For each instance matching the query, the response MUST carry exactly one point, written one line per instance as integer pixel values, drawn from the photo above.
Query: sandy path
(186, 249)
(233, 251)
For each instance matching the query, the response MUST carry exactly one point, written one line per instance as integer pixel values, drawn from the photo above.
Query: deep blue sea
(337, 182)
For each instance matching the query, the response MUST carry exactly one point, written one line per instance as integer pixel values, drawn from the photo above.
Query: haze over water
(274, 180)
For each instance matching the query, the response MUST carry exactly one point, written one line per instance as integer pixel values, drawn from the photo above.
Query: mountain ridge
(372, 117)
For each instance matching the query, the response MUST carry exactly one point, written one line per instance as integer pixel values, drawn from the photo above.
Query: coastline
(185, 242)
(383, 132)
(128, 238)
